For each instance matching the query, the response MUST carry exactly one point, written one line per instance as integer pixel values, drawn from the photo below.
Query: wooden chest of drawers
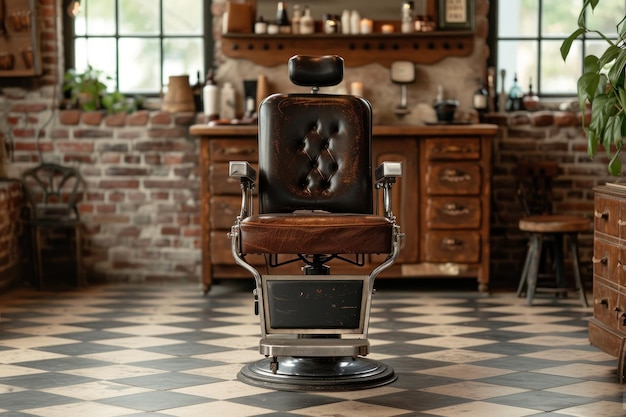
(441, 201)
(607, 328)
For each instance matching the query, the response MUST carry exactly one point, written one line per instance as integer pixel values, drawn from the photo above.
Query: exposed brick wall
(141, 206)
(545, 135)
(10, 231)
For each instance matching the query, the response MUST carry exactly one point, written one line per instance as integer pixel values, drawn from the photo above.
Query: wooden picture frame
(456, 14)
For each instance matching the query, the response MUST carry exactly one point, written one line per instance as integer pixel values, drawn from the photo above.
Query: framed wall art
(456, 14)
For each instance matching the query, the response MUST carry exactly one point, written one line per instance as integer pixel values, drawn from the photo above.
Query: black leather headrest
(316, 71)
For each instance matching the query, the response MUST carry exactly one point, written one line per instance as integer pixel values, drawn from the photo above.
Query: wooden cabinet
(607, 328)
(441, 201)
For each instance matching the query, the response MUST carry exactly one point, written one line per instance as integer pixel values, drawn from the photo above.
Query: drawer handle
(603, 302)
(452, 242)
(455, 209)
(602, 261)
(623, 318)
(233, 150)
(452, 149)
(621, 222)
(454, 175)
(604, 215)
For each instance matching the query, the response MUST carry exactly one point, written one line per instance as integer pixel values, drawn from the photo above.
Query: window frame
(69, 38)
(494, 38)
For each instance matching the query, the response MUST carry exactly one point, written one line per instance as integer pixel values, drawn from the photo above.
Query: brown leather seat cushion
(554, 223)
(316, 233)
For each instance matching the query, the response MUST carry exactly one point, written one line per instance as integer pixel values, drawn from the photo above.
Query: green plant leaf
(615, 164)
(567, 43)
(617, 70)
(587, 87)
(592, 143)
(609, 55)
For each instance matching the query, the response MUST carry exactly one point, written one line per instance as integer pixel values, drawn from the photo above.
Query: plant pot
(179, 96)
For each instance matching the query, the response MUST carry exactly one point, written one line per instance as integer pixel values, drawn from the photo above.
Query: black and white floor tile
(168, 350)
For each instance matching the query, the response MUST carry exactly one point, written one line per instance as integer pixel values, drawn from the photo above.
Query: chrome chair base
(317, 374)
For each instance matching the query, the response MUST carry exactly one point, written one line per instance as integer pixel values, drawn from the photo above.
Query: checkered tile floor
(139, 350)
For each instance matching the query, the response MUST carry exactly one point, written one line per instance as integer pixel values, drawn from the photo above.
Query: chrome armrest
(386, 174)
(247, 176)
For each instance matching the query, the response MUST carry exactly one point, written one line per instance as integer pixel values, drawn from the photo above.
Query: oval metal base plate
(317, 374)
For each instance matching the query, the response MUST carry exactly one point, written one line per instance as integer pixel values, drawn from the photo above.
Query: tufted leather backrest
(315, 154)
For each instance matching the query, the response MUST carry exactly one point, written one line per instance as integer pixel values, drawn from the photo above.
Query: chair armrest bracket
(247, 176)
(386, 174)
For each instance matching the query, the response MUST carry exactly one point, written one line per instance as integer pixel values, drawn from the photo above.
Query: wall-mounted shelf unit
(357, 50)
(20, 54)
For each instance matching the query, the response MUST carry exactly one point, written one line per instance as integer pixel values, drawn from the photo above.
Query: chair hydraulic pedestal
(316, 205)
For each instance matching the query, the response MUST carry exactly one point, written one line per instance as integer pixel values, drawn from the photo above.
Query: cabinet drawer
(224, 211)
(606, 215)
(605, 303)
(606, 260)
(453, 212)
(605, 339)
(221, 253)
(452, 148)
(462, 178)
(451, 246)
(221, 183)
(224, 150)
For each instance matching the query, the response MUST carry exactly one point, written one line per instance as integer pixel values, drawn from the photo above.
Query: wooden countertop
(421, 130)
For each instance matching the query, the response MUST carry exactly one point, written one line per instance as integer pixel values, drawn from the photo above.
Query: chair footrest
(332, 347)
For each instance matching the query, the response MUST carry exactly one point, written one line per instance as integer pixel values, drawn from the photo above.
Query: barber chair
(316, 207)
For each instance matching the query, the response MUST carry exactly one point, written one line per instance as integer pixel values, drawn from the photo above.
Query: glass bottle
(295, 19)
(197, 93)
(284, 26)
(307, 25)
(515, 100)
(480, 99)
(408, 17)
(211, 97)
(260, 26)
(531, 100)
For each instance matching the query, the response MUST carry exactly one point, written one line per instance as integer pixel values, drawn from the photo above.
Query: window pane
(182, 17)
(140, 65)
(559, 18)
(182, 56)
(139, 17)
(558, 76)
(100, 54)
(518, 57)
(606, 17)
(96, 17)
(518, 18)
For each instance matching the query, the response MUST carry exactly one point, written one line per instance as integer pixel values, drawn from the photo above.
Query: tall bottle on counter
(480, 99)
(211, 97)
(197, 93)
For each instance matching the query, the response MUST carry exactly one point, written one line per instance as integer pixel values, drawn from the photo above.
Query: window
(528, 38)
(140, 43)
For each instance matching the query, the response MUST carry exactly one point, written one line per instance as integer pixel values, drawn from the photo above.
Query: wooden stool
(553, 227)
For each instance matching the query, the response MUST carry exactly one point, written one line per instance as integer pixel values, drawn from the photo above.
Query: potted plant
(86, 88)
(601, 85)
